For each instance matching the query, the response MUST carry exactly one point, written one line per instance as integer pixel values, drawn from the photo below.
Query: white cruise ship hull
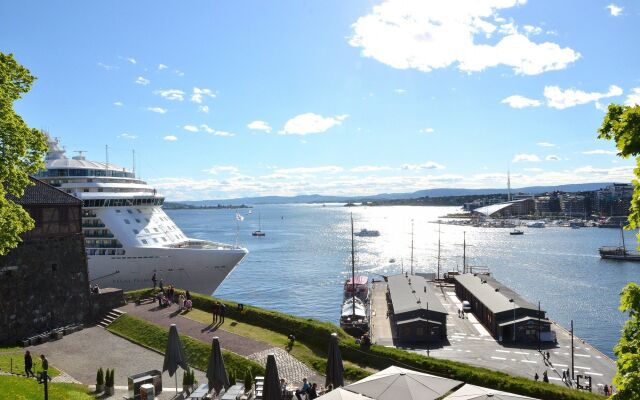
(197, 270)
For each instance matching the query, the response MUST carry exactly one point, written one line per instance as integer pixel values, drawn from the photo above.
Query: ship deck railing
(202, 244)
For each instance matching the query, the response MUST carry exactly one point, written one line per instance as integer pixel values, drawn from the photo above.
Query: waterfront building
(44, 282)
(418, 315)
(515, 208)
(614, 200)
(501, 310)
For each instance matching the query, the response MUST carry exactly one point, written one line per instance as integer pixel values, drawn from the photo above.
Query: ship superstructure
(128, 237)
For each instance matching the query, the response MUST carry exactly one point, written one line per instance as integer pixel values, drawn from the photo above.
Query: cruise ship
(128, 237)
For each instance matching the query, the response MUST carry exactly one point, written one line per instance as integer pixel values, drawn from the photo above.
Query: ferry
(128, 237)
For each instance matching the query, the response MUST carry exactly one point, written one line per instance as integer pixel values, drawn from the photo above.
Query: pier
(469, 341)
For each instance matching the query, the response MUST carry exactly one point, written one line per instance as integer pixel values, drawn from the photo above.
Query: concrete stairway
(110, 317)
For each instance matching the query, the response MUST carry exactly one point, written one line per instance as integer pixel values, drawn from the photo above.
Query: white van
(466, 306)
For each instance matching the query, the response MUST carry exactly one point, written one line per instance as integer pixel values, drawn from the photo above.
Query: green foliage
(21, 152)
(17, 388)
(232, 377)
(110, 378)
(248, 380)
(100, 377)
(627, 379)
(155, 337)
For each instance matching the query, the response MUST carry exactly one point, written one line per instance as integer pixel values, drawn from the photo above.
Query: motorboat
(367, 233)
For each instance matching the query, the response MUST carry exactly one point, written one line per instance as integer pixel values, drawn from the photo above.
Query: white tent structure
(473, 392)
(342, 394)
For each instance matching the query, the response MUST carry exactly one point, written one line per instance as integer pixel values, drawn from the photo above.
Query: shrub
(100, 377)
(232, 377)
(248, 380)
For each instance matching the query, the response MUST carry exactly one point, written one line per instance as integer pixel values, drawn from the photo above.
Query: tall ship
(619, 253)
(354, 313)
(128, 237)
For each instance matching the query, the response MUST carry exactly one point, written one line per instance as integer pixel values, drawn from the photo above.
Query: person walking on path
(536, 377)
(28, 364)
(222, 308)
(215, 312)
(564, 375)
(45, 369)
(545, 377)
(154, 280)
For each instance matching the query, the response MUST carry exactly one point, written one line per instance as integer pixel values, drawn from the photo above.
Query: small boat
(619, 253)
(516, 232)
(259, 232)
(367, 233)
(392, 261)
(536, 224)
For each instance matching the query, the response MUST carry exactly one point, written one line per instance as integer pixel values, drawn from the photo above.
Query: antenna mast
(106, 165)
(133, 154)
(508, 185)
(438, 276)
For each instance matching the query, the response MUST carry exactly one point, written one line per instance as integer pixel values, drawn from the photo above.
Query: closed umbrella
(271, 390)
(396, 383)
(174, 355)
(216, 372)
(473, 392)
(335, 369)
(342, 394)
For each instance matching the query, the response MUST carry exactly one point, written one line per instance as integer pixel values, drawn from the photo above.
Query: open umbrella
(342, 394)
(396, 383)
(473, 392)
(174, 356)
(271, 390)
(335, 369)
(216, 372)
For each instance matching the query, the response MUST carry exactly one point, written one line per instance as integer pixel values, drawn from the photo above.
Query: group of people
(170, 296)
(219, 310)
(310, 390)
(28, 367)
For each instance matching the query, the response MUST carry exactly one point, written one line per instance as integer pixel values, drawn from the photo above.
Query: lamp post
(514, 318)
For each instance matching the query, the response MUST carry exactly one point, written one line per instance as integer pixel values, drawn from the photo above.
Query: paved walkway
(288, 367)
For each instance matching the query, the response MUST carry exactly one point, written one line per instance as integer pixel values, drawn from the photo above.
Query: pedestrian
(458, 313)
(154, 280)
(606, 390)
(28, 364)
(564, 376)
(181, 302)
(222, 309)
(45, 369)
(548, 356)
(536, 377)
(545, 377)
(215, 312)
(161, 285)
(187, 295)
(313, 392)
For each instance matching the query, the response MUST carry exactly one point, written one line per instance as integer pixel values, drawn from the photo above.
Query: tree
(21, 152)
(622, 124)
(627, 379)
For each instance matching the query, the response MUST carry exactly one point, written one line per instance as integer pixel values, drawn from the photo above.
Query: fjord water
(301, 264)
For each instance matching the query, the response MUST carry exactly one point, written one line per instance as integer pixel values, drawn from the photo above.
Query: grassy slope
(155, 337)
(7, 354)
(16, 388)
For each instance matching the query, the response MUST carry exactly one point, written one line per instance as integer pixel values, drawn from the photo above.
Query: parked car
(466, 306)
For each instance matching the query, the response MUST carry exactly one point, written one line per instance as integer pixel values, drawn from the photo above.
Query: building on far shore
(44, 281)
(501, 310)
(418, 315)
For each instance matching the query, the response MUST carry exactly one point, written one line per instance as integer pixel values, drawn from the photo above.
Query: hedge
(155, 337)
(316, 334)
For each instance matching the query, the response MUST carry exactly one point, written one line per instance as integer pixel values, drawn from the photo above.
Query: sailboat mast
(624, 247)
(464, 252)
(438, 276)
(353, 272)
(411, 247)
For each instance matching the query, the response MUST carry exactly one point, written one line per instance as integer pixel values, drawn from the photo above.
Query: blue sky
(244, 98)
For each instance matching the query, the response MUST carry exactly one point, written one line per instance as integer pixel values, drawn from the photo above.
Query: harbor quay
(469, 341)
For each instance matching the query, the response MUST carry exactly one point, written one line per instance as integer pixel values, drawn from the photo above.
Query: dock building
(418, 315)
(505, 314)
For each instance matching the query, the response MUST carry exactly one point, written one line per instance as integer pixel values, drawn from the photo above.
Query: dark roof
(493, 294)
(523, 319)
(409, 321)
(41, 193)
(404, 299)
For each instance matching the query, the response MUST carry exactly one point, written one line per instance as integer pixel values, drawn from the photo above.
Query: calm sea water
(301, 264)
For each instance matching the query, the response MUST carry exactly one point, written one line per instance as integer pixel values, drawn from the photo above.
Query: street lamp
(514, 318)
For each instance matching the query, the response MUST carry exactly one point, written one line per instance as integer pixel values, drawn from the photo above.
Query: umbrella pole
(177, 382)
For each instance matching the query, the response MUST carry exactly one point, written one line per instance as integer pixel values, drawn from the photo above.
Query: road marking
(521, 352)
(561, 365)
(554, 378)
(582, 355)
(593, 373)
(475, 338)
(528, 361)
(503, 351)
(582, 367)
(498, 358)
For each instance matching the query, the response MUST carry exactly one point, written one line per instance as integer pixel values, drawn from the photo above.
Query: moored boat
(354, 314)
(368, 233)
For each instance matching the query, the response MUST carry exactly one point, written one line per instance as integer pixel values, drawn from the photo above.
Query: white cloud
(204, 109)
(259, 126)
(533, 169)
(170, 138)
(207, 128)
(308, 123)
(108, 67)
(560, 99)
(427, 35)
(427, 130)
(517, 101)
(400, 91)
(552, 157)
(142, 81)
(427, 165)
(370, 168)
(118, 103)
(200, 93)
(158, 110)
(171, 94)
(614, 10)
(223, 133)
(127, 136)
(525, 157)
(222, 168)
(633, 99)
(532, 30)
(178, 72)
(131, 60)
(600, 151)
(190, 128)
(161, 67)
(545, 144)
(331, 169)
(215, 132)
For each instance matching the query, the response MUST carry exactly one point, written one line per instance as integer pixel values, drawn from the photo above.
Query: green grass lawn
(15, 355)
(17, 388)
(313, 358)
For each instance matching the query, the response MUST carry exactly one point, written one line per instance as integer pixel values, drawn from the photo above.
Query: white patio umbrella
(342, 394)
(473, 392)
(396, 383)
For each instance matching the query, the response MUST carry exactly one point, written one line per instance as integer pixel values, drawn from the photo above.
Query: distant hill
(442, 192)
